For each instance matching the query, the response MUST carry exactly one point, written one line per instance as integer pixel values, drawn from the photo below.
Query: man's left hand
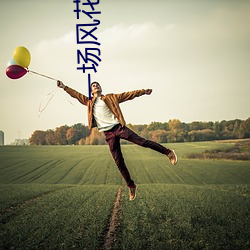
(148, 91)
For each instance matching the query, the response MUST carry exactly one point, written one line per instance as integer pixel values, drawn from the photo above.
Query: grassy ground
(62, 218)
(187, 217)
(240, 150)
(61, 197)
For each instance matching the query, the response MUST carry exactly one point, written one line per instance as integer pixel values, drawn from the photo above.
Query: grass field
(62, 197)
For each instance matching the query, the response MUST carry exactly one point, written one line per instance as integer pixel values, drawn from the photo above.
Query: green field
(62, 197)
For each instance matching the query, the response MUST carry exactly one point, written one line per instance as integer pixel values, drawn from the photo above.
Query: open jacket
(111, 100)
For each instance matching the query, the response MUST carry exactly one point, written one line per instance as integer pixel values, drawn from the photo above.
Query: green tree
(217, 129)
(175, 133)
(157, 126)
(202, 135)
(196, 126)
(236, 128)
(244, 130)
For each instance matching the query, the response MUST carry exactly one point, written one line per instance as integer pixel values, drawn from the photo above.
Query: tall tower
(1, 138)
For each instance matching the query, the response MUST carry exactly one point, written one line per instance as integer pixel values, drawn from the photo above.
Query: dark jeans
(113, 137)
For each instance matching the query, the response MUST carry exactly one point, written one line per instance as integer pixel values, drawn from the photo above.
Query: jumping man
(104, 113)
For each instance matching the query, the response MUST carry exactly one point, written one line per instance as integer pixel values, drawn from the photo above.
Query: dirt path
(111, 235)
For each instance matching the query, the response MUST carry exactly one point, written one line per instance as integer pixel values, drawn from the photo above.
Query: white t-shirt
(105, 119)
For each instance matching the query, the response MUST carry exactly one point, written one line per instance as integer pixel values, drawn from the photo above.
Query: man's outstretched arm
(80, 97)
(132, 94)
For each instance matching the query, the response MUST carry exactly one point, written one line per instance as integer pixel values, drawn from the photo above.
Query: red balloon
(15, 71)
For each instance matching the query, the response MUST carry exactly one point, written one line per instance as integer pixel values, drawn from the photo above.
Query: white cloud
(125, 33)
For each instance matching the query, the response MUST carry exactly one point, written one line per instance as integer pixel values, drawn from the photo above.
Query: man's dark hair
(95, 82)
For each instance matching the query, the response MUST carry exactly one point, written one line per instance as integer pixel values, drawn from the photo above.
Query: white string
(47, 99)
(51, 78)
(49, 96)
(71, 103)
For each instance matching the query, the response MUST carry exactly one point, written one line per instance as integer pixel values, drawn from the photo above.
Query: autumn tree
(95, 138)
(77, 133)
(173, 131)
(38, 138)
(50, 137)
(159, 135)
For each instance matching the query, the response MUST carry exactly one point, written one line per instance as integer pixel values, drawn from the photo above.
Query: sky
(194, 54)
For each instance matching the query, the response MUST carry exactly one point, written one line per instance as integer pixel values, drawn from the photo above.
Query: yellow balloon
(22, 56)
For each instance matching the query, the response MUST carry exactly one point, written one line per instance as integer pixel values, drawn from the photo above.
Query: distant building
(1, 138)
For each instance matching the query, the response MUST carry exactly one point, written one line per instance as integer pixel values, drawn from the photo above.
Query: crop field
(73, 197)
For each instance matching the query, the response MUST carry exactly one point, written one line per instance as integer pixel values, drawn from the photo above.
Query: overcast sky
(195, 55)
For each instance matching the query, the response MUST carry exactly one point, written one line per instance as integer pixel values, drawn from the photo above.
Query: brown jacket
(111, 100)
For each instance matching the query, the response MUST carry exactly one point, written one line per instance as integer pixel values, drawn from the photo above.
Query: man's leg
(115, 149)
(129, 135)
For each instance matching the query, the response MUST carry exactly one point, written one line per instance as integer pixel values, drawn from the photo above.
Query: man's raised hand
(148, 91)
(60, 84)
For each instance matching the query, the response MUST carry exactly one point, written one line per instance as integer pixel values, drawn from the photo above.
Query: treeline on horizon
(172, 131)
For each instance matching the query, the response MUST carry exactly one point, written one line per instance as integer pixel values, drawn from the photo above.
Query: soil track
(112, 230)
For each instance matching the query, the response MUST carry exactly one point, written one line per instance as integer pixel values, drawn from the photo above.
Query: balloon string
(71, 103)
(31, 71)
(50, 96)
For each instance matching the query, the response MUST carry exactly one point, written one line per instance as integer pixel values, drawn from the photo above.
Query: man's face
(95, 88)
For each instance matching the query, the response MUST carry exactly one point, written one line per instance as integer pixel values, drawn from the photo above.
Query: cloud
(121, 46)
(119, 43)
(122, 33)
(203, 44)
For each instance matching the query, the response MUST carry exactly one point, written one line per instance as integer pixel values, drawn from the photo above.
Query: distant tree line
(172, 131)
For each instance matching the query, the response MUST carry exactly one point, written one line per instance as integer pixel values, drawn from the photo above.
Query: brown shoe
(132, 193)
(172, 157)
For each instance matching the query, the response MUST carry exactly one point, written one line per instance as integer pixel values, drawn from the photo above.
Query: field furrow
(112, 233)
(66, 218)
(186, 217)
(9, 212)
(64, 197)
